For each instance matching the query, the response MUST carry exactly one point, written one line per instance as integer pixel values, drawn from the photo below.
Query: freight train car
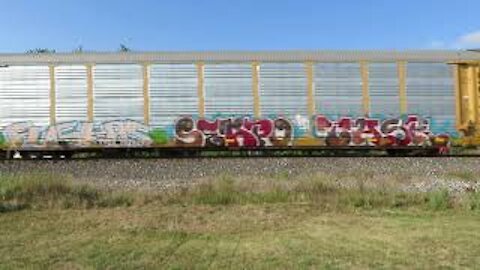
(62, 104)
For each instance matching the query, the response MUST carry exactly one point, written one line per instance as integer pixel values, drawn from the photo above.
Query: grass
(40, 191)
(266, 223)
(237, 236)
(463, 175)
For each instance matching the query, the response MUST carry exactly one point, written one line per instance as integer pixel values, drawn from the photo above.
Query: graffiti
(414, 130)
(411, 130)
(80, 133)
(238, 132)
(159, 136)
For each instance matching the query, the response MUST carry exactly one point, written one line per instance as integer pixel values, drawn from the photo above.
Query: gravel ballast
(410, 174)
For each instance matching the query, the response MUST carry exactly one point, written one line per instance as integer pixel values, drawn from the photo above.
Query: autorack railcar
(65, 103)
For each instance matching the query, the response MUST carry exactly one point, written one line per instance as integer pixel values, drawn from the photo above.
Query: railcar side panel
(25, 95)
(71, 93)
(338, 90)
(384, 90)
(431, 93)
(244, 104)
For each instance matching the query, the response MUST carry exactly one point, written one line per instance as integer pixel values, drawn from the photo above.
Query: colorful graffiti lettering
(411, 130)
(238, 132)
(414, 130)
(159, 136)
(79, 133)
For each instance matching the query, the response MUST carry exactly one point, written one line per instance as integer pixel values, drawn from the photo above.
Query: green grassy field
(48, 222)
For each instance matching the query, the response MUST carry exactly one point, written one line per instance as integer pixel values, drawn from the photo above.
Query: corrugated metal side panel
(338, 89)
(384, 89)
(431, 94)
(173, 92)
(24, 94)
(228, 90)
(71, 93)
(283, 89)
(118, 92)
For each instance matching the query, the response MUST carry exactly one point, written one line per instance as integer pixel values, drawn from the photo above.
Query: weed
(463, 175)
(473, 201)
(116, 200)
(439, 200)
(36, 191)
(23, 191)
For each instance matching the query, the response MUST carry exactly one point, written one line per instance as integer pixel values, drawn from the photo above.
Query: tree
(40, 51)
(79, 49)
(124, 48)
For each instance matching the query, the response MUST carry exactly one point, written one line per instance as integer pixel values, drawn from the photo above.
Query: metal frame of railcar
(152, 152)
(308, 58)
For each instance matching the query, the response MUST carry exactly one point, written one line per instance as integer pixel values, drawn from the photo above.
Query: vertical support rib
(309, 69)
(473, 94)
(458, 97)
(146, 94)
(201, 89)
(402, 86)
(365, 88)
(477, 97)
(89, 92)
(53, 97)
(256, 89)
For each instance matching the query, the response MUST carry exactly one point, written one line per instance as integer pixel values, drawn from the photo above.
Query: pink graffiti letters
(238, 132)
(364, 131)
(245, 132)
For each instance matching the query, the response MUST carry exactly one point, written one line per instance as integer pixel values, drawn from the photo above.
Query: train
(179, 103)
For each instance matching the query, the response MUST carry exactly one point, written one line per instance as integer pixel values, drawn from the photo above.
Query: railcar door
(467, 101)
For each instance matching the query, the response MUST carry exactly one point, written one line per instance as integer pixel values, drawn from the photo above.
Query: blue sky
(147, 25)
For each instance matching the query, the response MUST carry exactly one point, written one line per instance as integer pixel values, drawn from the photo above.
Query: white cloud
(468, 41)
